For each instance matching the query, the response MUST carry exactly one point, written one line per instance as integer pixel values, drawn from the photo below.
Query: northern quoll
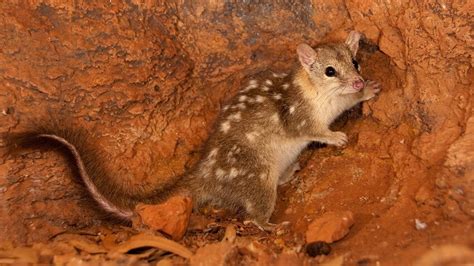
(255, 142)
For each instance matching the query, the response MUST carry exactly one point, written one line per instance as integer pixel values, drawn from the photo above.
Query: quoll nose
(358, 84)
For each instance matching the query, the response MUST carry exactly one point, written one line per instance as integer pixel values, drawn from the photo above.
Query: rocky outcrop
(147, 78)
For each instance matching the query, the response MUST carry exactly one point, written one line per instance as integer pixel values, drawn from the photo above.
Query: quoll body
(256, 139)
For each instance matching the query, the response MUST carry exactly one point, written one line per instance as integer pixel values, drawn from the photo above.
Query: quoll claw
(340, 139)
(371, 89)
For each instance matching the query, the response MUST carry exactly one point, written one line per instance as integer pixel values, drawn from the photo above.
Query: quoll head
(332, 67)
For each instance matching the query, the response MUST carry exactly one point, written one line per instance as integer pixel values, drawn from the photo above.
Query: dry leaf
(165, 262)
(19, 255)
(147, 240)
(145, 254)
(87, 246)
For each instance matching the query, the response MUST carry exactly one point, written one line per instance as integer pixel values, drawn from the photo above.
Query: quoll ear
(306, 55)
(352, 41)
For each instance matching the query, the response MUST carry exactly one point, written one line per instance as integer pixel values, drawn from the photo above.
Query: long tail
(72, 144)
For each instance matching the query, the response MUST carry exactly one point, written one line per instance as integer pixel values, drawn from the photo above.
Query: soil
(146, 79)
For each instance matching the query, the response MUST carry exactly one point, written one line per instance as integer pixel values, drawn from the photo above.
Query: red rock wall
(147, 78)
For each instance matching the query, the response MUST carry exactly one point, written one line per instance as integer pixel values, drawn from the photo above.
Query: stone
(330, 227)
(215, 254)
(314, 249)
(420, 225)
(170, 217)
(423, 195)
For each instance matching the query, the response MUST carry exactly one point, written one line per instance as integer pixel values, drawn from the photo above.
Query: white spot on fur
(268, 82)
(251, 136)
(235, 149)
(295, 83)
(233, 173)
(300, 125)
(213, 153)
(225, 126)
(277, 96)
(248, 206)
(230, 157)
(242, 98)
(265, 88)
(240, 106)
(235, 117)
(263, 177)
(259, 99)
(211, 163)
(252, 85)
(225, 107)
(285, 86)
(220, 173)
(280, 75)
(292, 109)
(204, 174)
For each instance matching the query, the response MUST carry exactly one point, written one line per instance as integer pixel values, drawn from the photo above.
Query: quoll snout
(358, 84)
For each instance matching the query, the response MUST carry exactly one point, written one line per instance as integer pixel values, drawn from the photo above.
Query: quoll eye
(330, 71)
(355, 63)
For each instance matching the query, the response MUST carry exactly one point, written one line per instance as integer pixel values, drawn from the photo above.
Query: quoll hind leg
(259, 209)
(289, 173)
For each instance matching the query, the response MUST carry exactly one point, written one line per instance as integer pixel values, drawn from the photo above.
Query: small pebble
(318, 248)
(280, 232)
(420, 225)
(230, 234)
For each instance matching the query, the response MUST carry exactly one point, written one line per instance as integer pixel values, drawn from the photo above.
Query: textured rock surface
(447, 255)
(330, 227)
(147, 78)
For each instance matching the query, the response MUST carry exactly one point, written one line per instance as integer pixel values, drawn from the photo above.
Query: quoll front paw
(338, 139)
(371, 89)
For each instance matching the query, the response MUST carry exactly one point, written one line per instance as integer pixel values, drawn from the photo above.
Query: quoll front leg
(336, 138)
(370, 90)
(289, 173)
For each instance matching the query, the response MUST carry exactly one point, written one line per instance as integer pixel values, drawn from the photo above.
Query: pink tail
(103, 202)
(43, 137)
